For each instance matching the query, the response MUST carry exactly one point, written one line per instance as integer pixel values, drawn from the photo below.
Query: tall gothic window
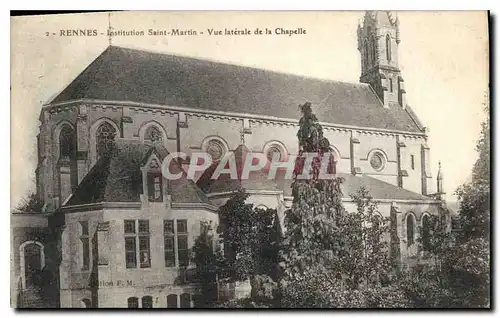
(410, 229)
(105, 137)
(84, 238)
(32, 263)
(153, 134)
(366, 55)
(373, 51)
(388, 47)
(66, 142)
(426, 242)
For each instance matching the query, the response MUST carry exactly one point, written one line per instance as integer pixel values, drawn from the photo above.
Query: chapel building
(116, 233)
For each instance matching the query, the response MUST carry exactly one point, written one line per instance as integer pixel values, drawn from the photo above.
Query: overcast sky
(443, 57)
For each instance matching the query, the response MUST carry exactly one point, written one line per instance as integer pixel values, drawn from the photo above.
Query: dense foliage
(31, 204)
(471, 260)
(336, 256)
(250, 237)
(460, 273)
(208, 260)
(475, 195)
(332, 257)
(250, 242)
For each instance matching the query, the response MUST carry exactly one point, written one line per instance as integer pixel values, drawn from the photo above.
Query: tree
(250, 238)
(31, 204)
(475, 196)
(472, 258)
(331, 258)
(459, 277)
(317, 205)
(208, 262)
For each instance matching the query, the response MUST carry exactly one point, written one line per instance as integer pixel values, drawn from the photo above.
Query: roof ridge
(119, 74)
(234, 64)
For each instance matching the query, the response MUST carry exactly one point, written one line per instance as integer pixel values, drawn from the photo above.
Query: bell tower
(378, 41)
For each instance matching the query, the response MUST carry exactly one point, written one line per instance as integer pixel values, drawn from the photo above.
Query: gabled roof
(122, 74)
(117, 177)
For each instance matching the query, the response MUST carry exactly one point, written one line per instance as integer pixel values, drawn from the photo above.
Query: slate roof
(123, 74)
(117, 177)
(378, 189)
(257, 180)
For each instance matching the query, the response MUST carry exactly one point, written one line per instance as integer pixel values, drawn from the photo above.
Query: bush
(241, 303)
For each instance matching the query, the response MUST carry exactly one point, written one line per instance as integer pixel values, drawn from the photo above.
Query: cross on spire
(242, 136)
(109, 29)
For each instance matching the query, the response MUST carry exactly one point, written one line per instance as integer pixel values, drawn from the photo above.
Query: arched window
(147, 302)
(105, 137)
(426, 233)
(388, 52)
(133, 302)
(153, 134)
(172, 301)
(185, 301)
(410, 229)
(66, 142)
(86, 303)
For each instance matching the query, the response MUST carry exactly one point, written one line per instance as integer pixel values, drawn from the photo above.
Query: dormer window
(155, 186)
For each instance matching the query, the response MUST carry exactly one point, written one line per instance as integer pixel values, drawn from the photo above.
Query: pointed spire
(440, 179)
(110, 38)
(398, 36)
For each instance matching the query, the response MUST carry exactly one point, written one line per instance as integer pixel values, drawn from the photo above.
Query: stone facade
(114, 282)
(90, 237)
